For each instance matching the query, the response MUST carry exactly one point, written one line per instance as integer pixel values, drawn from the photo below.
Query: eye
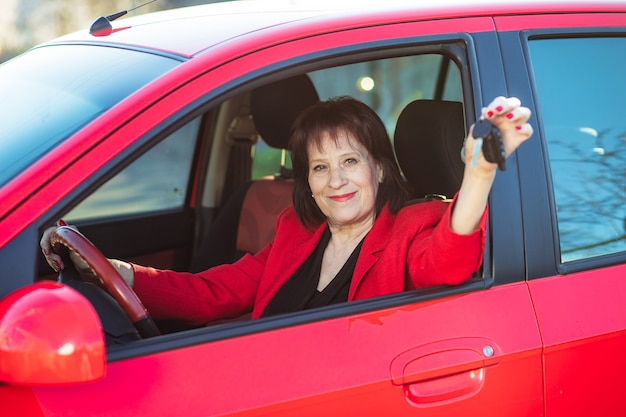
(319, 168)
(351, 161)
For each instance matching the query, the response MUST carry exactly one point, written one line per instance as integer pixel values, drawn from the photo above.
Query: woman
(348, 235)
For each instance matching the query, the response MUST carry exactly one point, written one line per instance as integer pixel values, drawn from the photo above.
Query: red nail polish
(61, 222)
(518, 128)
(509, 116)
(489, 113)
(499, 108)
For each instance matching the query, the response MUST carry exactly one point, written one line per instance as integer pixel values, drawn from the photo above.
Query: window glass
(158, 180)
(386, 85)
(40, 109)
(581, 90)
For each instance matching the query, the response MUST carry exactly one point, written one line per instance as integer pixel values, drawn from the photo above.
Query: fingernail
(489, 113)
(61, 222)
(509, 116)
(518, 128)
(499, 108)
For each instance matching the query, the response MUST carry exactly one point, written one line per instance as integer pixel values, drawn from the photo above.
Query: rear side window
(581, 93)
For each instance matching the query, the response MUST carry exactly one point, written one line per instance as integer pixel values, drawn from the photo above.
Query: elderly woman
(348, 235)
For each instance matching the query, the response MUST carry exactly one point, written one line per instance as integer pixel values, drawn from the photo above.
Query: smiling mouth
(342, 197)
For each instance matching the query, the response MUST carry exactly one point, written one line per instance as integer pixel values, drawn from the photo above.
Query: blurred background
(26, 23)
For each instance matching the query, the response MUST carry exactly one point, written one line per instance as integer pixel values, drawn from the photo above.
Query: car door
(471, 349)
(575, 202)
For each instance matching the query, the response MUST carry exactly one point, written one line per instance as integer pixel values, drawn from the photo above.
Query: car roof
(189, 31)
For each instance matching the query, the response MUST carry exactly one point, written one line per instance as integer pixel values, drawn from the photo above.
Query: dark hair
(332, 117)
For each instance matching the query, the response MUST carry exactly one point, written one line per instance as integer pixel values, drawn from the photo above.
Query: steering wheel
(112, 281)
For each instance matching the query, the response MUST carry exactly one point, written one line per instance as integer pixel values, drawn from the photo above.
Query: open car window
(160, 207)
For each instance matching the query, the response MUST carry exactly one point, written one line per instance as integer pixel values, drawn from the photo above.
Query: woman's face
(344, 181)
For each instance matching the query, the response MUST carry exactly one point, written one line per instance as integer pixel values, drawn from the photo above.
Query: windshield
(49, 93)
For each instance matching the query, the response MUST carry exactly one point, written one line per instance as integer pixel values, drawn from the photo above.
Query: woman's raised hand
(508, 115)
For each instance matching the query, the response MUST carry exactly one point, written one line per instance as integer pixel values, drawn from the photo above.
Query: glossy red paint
(314, 380)
(506, 23)
(584, 337)
(50, 335)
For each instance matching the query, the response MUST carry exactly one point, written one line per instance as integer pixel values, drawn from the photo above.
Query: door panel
(583, 324)
(342, 366)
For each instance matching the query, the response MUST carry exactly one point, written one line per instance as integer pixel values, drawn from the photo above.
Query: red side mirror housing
(49, 335)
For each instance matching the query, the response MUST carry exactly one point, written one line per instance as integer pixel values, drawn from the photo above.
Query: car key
(489, 139)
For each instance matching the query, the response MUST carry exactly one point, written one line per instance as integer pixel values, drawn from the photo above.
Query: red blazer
(413, 249)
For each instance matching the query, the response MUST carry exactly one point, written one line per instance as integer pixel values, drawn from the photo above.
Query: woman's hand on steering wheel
(54, 259)
(114, 276)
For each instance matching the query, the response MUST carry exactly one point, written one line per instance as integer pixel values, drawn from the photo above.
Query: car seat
(246, 222)
(428, 139)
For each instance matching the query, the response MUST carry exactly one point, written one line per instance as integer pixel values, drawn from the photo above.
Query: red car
(152, 132)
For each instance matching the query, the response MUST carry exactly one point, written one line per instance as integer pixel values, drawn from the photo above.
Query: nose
(337, 177)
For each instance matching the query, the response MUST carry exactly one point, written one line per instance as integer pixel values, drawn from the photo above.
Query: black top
(300, 291)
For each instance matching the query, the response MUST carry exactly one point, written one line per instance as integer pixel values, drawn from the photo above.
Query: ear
(381, 173)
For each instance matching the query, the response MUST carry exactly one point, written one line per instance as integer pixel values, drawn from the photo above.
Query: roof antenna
(102, 26)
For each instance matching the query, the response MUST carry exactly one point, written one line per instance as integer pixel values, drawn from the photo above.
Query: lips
(343, 197)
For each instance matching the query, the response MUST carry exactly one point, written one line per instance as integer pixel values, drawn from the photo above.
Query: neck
(343, 235)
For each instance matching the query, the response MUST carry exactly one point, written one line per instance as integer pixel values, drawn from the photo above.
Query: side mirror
(49, 335)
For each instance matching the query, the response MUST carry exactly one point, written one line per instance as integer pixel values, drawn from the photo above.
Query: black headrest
(276, 106)
(428, 139)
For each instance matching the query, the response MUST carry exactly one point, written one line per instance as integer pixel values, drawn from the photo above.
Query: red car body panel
(583, 20)
(517, 350)
(246, 379)
(584, 339)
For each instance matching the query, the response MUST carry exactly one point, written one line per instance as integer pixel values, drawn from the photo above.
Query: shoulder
(410, 219)
(288, 221)
(414, 218)
(290, 233)
(287, 217)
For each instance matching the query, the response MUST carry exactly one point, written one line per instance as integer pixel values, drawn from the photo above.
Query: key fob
(493, 147)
